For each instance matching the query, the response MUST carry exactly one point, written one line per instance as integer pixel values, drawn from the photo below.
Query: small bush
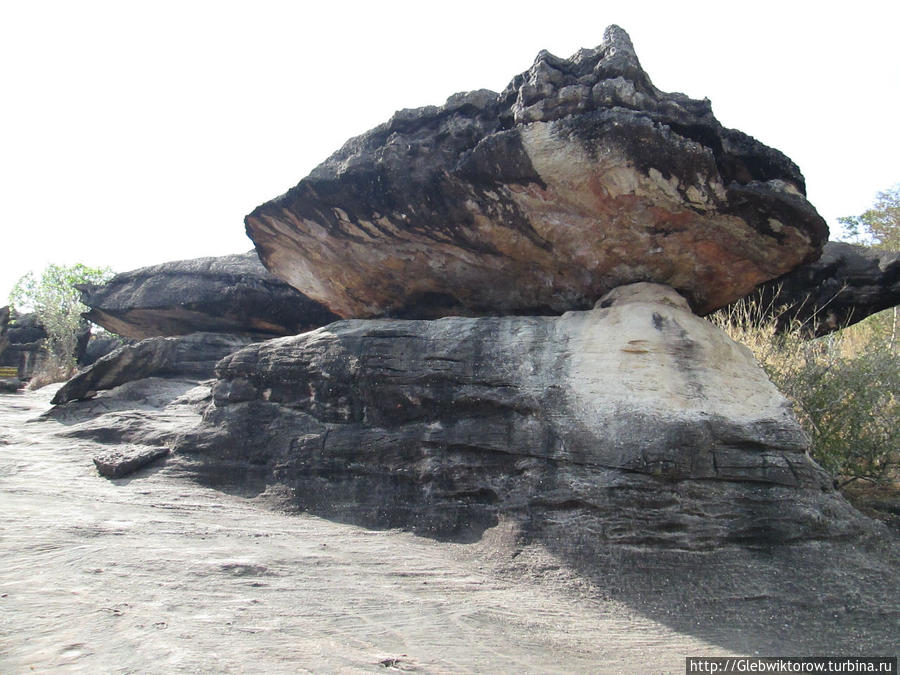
(844, 388)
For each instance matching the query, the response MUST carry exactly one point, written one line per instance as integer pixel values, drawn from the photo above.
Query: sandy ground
(155, 573)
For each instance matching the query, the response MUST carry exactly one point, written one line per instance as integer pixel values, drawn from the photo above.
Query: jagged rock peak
(579, 177)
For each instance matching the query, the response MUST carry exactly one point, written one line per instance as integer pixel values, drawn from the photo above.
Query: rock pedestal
(636, 423)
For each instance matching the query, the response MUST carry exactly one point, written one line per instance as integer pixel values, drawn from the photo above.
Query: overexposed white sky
(132, 132)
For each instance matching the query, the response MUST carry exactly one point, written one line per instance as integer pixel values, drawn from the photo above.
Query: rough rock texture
(4, 326)
(99, 345)
(193, 355)
(127, 459)
(579, 177)
(844, 286)
(24, 351)
(228, 294)
(634, 423)
(151, 411)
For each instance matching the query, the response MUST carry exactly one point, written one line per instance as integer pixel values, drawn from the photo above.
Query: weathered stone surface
(636, 423)
(193, 355)
(126, 459)
(4, 326)
(151, 411)
(228, 294)
(99, 345)
(844, 286)
(581, 176)
(10, 384)
(25, 349)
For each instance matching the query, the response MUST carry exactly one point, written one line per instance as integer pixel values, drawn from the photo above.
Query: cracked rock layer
(636, 422)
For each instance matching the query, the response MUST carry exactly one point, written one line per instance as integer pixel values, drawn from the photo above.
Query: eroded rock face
(25, 351)
(844, 286)
(579, 177)
(192, 356)
(636, 422)
(4, 326)
(228, 294)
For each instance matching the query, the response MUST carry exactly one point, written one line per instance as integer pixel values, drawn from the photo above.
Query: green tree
(56, 301)
(880, 225)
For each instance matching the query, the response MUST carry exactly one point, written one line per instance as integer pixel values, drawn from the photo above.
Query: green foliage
(844, 388)
(56, 301)
(880, 225)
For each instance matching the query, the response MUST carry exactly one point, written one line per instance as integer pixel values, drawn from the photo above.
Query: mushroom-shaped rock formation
(579, 177)
(227, 294)
(634, 423)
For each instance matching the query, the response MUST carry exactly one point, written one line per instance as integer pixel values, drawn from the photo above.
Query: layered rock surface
(636, 422)
(188, 356)
(844, 286)
(4, 327)
(579, 177)
(227, 294)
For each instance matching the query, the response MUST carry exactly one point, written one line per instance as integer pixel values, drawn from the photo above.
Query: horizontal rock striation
(844, 286)
(190, 356)
(634, 423)
(228, 294)
(579, 177)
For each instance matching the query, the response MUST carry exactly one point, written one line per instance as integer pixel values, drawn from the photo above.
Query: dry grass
(843, 387)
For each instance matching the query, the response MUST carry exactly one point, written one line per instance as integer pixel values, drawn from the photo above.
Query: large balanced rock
(579, 177)
(636, 422)
(228, 294)
(844, 286)
(191, 356)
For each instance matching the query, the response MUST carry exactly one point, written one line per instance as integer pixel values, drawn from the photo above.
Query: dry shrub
(844, 387)
(52, 370)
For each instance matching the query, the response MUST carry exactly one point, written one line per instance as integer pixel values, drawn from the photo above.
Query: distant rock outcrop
(191, 356)
(634, 423)
(24, 351)
(228, 294)
(579, 177)
(844, 286)
(4, 326)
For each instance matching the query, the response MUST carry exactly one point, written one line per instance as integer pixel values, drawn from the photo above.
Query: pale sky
(133, 133)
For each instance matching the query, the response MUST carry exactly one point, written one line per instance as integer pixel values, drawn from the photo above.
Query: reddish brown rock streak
(581, 176)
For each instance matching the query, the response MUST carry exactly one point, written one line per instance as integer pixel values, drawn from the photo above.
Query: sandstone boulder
(126, 459)
(579, 177)
(634, 423)
(844, 286)
(192, 356)
(228, 294)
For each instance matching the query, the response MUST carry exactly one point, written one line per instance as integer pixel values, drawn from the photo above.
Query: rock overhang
(579, 177)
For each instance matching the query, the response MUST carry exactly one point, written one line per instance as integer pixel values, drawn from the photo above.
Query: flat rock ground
(156, 573)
